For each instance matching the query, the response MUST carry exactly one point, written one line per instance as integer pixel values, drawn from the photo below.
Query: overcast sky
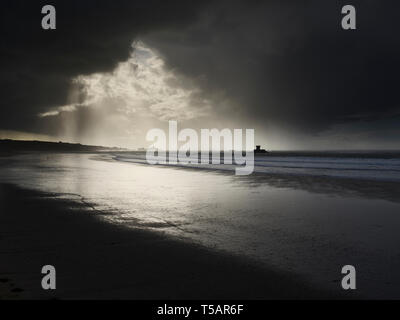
(114, 69)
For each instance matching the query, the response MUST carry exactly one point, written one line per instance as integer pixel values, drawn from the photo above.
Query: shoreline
(97, 260)
(319, 184)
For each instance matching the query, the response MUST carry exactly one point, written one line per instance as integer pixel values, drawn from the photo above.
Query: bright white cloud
(57, 111)
(141, 86)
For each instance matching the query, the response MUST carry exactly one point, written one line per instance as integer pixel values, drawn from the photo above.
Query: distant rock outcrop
(259, 150)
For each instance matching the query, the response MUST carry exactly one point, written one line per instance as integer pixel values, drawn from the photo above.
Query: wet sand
(98, 260)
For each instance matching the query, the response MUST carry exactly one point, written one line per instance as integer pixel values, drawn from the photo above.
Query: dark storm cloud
(290, 63)
(287, 63)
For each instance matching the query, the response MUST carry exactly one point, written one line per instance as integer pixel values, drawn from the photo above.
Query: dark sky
(285, 68)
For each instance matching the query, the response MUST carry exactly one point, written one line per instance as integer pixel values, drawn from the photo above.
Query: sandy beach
(115, 229)
(97, 260)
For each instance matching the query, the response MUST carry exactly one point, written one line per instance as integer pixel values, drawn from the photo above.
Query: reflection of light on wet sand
(304, 232)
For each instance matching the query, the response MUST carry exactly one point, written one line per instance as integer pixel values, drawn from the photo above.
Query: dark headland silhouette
(8, 145)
